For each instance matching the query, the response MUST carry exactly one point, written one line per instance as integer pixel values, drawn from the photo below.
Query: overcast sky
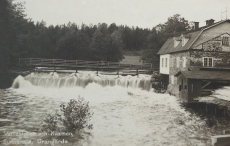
(141, 13)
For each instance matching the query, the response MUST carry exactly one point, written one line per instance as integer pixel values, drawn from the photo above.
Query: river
(126, 110)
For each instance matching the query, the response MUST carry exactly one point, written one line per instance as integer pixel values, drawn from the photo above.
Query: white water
(126, 111)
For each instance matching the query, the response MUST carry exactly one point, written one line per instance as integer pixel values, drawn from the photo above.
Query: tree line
(24, 38)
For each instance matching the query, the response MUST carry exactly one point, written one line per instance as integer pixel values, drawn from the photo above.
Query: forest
(21, 37)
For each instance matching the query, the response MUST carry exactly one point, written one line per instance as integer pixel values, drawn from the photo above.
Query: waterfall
(81, 79)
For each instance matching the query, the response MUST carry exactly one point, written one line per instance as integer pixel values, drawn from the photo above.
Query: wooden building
(184, 59)
(193, 84)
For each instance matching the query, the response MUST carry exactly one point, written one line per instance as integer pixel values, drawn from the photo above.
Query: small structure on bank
(194, 84)
(194, 63)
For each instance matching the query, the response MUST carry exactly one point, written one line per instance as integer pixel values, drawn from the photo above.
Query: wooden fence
(40, 62)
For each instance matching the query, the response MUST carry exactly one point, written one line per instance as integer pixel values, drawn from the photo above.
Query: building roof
(206, 75)
(168, 46)
(193, 35)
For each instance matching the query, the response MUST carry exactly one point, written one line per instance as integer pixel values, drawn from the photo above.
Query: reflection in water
(126, 111)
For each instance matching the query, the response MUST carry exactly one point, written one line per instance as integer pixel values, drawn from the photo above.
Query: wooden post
(108, 64)
(30, 61)
(137, 73)
(118, 73)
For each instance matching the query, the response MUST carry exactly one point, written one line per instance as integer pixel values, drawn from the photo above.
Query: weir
(82, 79)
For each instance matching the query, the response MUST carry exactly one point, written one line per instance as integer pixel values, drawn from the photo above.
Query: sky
(141, 13)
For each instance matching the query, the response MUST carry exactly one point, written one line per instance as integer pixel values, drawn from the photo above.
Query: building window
(162, 62)
(208, 61)
(166, 61)
(225, 41)
(185, 87)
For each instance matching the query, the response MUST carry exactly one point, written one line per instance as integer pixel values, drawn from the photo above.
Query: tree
(5, 39)
(115, 51)
(152, 47)
(74, 45)
(99, 44)
(174, 26)
(159, 34)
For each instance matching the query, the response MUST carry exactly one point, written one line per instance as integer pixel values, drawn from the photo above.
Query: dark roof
(168, 46)
(206, 75)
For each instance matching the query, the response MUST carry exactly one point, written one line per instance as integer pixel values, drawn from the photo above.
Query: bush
(50, 123)
(74, 117)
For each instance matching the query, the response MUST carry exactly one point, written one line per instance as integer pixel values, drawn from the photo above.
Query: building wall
(218, 43)
(194, 89)
(183, 88)
(178, 62)
(188, 88)
(164, 64)
(213, 32)
(220, 59)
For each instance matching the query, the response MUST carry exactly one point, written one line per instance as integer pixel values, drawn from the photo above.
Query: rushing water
(126, 110)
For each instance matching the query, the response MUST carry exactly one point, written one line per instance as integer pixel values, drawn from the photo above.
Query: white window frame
(207, 61)
(225, 41)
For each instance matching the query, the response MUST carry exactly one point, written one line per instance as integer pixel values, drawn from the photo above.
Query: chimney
(196, 25)
(209, 22)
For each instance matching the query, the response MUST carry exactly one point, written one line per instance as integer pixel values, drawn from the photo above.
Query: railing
(80, 63)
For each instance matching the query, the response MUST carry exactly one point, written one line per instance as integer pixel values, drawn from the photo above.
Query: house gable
(219, 43)
(212, 32)
(196, 38)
